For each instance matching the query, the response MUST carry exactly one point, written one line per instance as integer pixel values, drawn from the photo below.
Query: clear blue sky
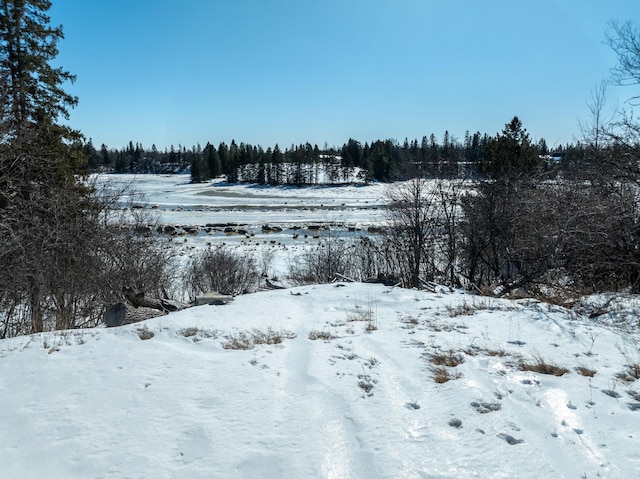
(290, 71)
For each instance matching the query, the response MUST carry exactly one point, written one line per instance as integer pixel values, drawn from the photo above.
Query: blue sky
(175, 72)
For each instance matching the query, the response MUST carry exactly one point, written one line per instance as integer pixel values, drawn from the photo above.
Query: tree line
(306, 164)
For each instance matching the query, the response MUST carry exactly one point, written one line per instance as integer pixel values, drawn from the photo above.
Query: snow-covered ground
(362, 403)
(362, 381)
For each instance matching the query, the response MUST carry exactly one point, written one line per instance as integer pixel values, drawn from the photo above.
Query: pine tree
(511, 153)
(213, 160)
(34, 89)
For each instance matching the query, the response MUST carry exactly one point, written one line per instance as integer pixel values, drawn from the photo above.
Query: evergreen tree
(105, 157)
(213, 160)
(223, 154)
(34, 89)
(511, 152)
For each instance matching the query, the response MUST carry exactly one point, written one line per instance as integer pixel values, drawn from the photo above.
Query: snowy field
(332, 381)
(176, 201)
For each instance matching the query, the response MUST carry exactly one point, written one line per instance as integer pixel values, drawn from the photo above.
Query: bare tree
(412, 224)
(624, 40)
(594, 130)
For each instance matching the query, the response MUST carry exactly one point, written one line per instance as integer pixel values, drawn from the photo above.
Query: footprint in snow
(612, 393)
(485, 407)
(510, 439)
(195, 444)
(457, 423)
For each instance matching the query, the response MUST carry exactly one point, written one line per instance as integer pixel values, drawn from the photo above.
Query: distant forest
(306, 164)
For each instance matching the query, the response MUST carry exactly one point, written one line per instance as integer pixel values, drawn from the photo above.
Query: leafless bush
(67, 255)
(321, 263)
(223, 270)
(422, 237)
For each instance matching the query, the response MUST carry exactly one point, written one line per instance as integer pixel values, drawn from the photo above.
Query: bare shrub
(222, 270)
(67, 255)
(321, 263)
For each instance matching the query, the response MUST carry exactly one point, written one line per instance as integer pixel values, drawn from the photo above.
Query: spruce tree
(33, 87)
(512, 153)
(40, 196)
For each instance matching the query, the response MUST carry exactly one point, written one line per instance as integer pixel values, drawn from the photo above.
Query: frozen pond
(175, 201)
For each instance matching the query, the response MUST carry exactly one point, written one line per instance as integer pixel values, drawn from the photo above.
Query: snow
(176, 201)
(104, 403)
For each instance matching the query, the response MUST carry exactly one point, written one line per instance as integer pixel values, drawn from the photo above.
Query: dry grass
(144, 333)
(442, 374)
(464, 309)
(410, 321)
(366, 384)
(366, 315)
(449, 359)
(248, 340)
(468, 308)
(630, 374)
(496, 352)
(197, 334)
(188, 332)
(583, 371)
(238, 341)
(539, 365)
(322, 335)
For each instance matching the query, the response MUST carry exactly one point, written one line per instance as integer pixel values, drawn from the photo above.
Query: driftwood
(137, 308)
(271, 285)
(138, 300)
(120, 314)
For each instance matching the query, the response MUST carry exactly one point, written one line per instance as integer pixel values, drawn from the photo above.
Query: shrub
(221, 270)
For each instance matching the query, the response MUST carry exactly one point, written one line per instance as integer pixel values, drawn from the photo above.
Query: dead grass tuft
(442, 375)
(449, 359)
(630, 374)
(584, 371)
(539, 365)
(248, 340)
(322, 335)
(188, 332)
(144, 333)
